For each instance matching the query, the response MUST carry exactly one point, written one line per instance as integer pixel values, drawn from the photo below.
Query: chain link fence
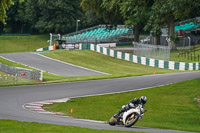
(16, 74)
(152, 51)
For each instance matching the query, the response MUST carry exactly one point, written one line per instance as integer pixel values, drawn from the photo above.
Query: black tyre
(112, 121)
(131, 120)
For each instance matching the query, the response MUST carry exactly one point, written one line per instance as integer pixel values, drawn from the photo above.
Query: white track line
(28, 66)
(71, 64)
(18, 63)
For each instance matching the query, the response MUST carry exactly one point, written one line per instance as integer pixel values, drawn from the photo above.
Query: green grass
(103, 63)
(174, 56)
(8, 126)
(114, 67)
(168, 107)
(128, 45)
(10, 81)
(14, 64)
(46, 76)
(11, 44)
(177, 55)
(7, 79)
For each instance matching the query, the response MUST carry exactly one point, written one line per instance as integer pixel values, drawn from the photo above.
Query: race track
(13, 98)
(49, 65)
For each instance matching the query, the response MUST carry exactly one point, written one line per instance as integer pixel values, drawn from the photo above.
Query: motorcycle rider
(133, 103)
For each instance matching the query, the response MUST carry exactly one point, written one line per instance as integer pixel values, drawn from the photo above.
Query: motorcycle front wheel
(131, 119)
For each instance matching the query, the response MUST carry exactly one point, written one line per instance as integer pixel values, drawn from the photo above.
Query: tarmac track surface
(13, 98)
(49, 65)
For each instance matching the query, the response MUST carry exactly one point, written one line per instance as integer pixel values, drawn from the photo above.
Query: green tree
(56, 16)
(4, 5)
(16, 20)
(166, 13)
(92, 5)
(108, 10)
(32, 12)
(136, 13)
(111, 11)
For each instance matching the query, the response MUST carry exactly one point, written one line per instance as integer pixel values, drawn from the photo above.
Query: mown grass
(9, 126)
(46, 76)
(103, 63)
(174, 56)
(7, 79)
(11, 44)
(14, 64)
(186, 54)
(114, 67)
(168, 107)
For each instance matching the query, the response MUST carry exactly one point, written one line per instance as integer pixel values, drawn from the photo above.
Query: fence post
(16, 78)
(1, 79)
(41, 75)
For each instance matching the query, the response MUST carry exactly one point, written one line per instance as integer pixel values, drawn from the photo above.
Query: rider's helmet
(143, 99)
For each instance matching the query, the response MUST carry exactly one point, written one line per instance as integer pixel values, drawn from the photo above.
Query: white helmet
(143, 99)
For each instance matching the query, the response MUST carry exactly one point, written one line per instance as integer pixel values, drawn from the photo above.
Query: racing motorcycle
(129, 117)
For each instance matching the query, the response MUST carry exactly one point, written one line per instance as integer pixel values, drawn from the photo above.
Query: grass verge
(9, 126)
(103, 63)
(46, 76)
(13, 44)
(184, 58)
(169, 107)
(14, 64)
(11, 80)
(186, 54)
(92, 60)
(7, 79)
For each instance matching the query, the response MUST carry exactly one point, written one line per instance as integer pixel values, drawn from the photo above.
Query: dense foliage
(59, 16)
(151, 14)
(4, 5)
(167, 13)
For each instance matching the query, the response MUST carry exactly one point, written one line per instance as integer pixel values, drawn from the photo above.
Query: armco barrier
(143, 60)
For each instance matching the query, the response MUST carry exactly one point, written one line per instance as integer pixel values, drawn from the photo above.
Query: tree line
(40, 16)
(59, 16)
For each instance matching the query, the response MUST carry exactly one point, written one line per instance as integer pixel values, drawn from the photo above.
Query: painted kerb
(146, 61)
(136, 59)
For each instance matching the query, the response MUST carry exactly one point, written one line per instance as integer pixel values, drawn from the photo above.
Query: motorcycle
(129, 117)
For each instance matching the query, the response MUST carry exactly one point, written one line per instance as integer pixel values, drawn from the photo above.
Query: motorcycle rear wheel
(113, 121)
